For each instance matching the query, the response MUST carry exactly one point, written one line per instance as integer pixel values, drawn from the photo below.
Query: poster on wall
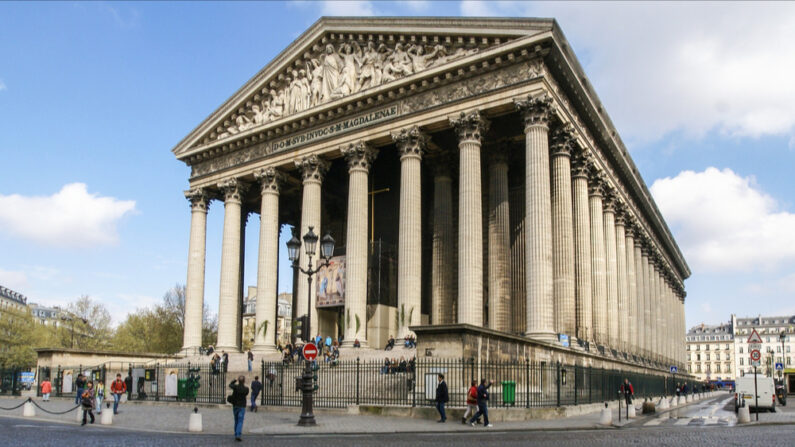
(171, 382)
(331, 283)
(67, 381)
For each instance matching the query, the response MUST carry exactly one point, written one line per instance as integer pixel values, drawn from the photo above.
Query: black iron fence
(183, 382)
(515, 384)
(9, 382)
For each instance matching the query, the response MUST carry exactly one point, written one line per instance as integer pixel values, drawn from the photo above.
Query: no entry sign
(310, 351)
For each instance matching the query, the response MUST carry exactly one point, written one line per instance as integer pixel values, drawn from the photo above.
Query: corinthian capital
(233, 190)
(411, 142)
(470, 126)
(535, 110)
(199, 199)
(359, 155)
(581, 163)
(270, 180)
(608, 198)
(563, 140)
(312, 167)
(596, 181)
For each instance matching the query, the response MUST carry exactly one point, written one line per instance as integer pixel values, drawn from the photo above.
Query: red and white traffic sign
(754, 338)
(756, 355)
(310, 351)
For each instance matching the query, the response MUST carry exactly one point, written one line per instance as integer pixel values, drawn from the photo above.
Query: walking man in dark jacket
(441, 398)
(128, 385)
(238, 401)
(483, 408)
(256, 387)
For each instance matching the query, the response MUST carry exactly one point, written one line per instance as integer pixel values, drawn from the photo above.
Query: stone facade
(514, 205)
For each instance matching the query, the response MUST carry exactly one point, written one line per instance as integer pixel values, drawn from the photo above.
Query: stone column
(563, 140)
(611, 268)
(632, 290)
(194, 291)
(313, 170)
(268, 261)
(229, 302)
(536, 112)
(621, 270)
(582, 246)
(360, 157)
(443, 245)
(647, 301)
(470, 128)
(499, 241)
(598, 267)
(640, 322)
(655, 308)
(411, 146)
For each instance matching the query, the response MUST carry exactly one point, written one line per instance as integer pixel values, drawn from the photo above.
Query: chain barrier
(54, 412)
(40, 407)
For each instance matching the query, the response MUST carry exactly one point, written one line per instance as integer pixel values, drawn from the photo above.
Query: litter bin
(182, 389)
(508, 392)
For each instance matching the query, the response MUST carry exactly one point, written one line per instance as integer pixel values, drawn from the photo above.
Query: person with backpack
(441, 398)
(472, 401)
(483, 404)
(238, 401)
(256, 388)
(87, 402)
(628, 391)
(117, 388)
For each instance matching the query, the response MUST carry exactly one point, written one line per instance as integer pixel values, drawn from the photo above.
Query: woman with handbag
(87, 402)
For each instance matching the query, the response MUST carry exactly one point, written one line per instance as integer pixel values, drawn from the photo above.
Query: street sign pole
(756, 396)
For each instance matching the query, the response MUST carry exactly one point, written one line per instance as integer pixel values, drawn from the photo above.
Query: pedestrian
(87, 402)
(127, 385)
(256, 387)
(678, 389)
(441, 398)
(80, 385)
(328, 341)
(390, 343)
(99, 395)
(318, 339)
(238, 401)
(472, 401)
(483, 406)
(117, 388)
(250, 359)
(46, 389)
(628, 391)
(225, 361)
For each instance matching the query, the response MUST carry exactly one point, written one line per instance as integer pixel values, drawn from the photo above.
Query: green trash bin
(508, 392)
(182, 389)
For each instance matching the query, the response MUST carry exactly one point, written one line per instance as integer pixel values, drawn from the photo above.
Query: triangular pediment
(338, 58)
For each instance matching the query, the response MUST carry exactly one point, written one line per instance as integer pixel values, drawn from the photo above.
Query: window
(778, 349)
(788, 348)
(717, 368)
(717, 356)
(727, 347)
(698, 368)
(688, 347)
(688, 357)
(707, 356)
(742, 361)
(698, 357)
(728, 356)
(698, 347)
(789, 361)
(728, 367)
(706, 347)
(741, 349)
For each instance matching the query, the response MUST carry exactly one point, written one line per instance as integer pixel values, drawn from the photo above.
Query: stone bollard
(664, 403)
(107, 417)
(687, 398)
(743, 415)
(79, 414)
(195, 421)
(680, 400)
(631, 412)
(606, 418)
(28, 410)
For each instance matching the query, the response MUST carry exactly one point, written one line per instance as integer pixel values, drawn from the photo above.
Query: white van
(744, 391)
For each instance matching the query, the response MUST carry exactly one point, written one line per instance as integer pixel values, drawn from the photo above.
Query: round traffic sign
(756, 355)
(310, 351)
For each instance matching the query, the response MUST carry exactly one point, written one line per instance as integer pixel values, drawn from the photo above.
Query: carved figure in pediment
(314, 70)
(243, 123)
(371, 66)
(443, 57)
(351, 58)
(420, 60)
(306, 90)
(332, 65)
(276, 105)
(399, 62)
(259, 114)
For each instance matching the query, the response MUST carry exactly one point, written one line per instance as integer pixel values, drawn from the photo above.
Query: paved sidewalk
(174, 418)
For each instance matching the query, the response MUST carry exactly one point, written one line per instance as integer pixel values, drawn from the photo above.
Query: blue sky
(94, 95)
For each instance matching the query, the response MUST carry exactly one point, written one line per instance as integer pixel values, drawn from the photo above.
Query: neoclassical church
(478, 193)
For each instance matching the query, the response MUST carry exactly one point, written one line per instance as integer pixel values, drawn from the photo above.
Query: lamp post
(782, 337)
(326, 251)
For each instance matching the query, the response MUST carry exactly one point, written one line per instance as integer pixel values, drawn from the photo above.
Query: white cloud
(347, 8)
(2, 85)
(690, 67)
(14, 280)
(725, 222)
(69, 218)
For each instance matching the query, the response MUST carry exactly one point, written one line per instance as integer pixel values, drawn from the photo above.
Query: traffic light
(300, 325)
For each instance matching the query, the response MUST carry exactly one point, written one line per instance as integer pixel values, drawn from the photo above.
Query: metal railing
(172, 383)
(413, 383)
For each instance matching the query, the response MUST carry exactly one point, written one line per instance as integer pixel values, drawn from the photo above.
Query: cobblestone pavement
(17, 432)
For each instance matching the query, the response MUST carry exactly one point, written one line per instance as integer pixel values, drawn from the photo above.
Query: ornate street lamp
(326, 252)
(782, 337)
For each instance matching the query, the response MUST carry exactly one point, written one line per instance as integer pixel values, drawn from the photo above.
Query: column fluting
(360, 157)
(563, 140)
(611, 269)
(582, 247)
(229, 300)
(536, 112)
(268, 261)
(411, 146)
(598, 261)
(194, 290)
(621, 270)
(443, 250)
(632, 287)
(499, 241)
